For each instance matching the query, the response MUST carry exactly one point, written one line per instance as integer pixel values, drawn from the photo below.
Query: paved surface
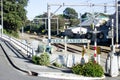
(7, 72)
(48, 71)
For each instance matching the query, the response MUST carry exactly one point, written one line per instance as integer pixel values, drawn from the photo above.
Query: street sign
(69, 41)
(57, 41)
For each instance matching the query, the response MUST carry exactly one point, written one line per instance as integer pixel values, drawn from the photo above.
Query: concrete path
(43, 71)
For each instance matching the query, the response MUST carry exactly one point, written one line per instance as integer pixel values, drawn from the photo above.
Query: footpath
(43, 71)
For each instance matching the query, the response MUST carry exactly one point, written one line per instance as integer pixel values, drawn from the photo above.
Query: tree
(53, 21)
(70, 13)
(71, 16)
(14, 15)
(61, 21)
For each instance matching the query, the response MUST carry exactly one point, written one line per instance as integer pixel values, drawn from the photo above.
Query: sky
(38, 7)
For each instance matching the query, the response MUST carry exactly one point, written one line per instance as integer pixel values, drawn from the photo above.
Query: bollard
(113, 63)
(83, 50)
(98, 54)
(107, 65)
(88, 44)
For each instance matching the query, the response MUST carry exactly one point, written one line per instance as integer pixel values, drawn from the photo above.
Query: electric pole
(49, 25)
(105, 8)
(1, 17)
(116, 3)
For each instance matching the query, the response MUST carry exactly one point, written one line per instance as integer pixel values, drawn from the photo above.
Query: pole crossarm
(45, 18)
(56, 10)
(87, 4)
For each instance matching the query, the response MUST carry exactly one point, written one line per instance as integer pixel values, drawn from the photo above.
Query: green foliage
(70, 13)
(35, 59)
(44, 59)
(89, 69)
(77, 69)
(61, 21)
(72, 16)
(14, 15)
(11, 33)
(74, 22)
(57, 64)
(93, 69)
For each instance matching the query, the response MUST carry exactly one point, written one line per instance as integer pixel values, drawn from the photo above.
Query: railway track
(59, 45)
(104, 50)
(68, 48)
(73, 50)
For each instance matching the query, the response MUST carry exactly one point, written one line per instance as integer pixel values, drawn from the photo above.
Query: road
(8, 72)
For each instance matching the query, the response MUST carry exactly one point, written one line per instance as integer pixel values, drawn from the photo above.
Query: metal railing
(26, 48)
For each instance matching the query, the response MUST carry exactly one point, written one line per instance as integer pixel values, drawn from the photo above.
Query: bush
(56, 64)
(35, 59)
(77, 69)
(89, 69)
(44, 59)
(11, 33)
(93, 69)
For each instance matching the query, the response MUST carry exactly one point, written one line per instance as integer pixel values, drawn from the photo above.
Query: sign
(0, 26)
(110, 34)
(57, 40)
(69, 41)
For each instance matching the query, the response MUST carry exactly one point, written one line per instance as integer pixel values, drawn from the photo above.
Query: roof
(99, 20)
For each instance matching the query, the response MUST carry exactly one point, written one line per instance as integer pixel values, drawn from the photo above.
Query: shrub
(56, 64)
(89, 69)
(93, 69)
(77, 69)
(35, 59)
(44, 59)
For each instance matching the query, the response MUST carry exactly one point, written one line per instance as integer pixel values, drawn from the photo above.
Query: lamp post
(1, 17)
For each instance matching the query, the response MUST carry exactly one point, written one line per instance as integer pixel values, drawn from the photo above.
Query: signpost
(69, 41)
(65, 41)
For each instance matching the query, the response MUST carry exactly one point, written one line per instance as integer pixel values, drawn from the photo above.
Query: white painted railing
(24, 47)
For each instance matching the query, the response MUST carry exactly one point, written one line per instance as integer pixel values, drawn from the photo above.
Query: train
(86, 32)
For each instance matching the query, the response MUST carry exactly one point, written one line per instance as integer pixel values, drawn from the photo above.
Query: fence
(24, 47)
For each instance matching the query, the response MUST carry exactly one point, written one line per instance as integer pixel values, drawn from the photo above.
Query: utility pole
(116, 3)
(49, 25)
(57, 27)
(112, 32)
(105, 8)
(2, 17)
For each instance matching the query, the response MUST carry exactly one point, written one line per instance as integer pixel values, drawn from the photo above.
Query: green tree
(53, 21)
(14, 15)
(70, 13)
(42, 22)
(61, 21)
(71, 16)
